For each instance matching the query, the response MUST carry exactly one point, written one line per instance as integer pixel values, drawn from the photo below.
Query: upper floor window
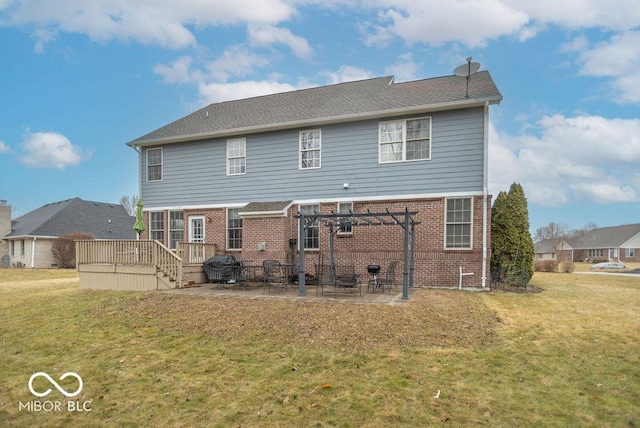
(234, 229)
(345, 227)
(310, 142)
(404, 140)
(236, 156)
(154, 164)
(458, 227)
(156, 228)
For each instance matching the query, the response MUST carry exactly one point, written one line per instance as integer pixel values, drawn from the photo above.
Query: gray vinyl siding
(194, 173)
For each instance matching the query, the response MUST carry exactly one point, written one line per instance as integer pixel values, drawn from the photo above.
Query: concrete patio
(255, 290)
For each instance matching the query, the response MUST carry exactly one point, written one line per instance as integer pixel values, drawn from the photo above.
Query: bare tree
(579, 233)
(552, 231)
(129, 203)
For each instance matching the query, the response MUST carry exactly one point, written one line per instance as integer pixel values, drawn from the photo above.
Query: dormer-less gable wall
(196, 173)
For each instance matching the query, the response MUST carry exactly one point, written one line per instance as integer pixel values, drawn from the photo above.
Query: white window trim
(302, 238)
(244, 146)
(338, 212)
(404, 139)
(470, 247)
(161, 164)
(155, 230)
(204, 226)
(300, 151)
(226, 228)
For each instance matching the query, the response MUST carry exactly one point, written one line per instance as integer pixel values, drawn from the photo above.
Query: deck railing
(195, 253)
(130, 252)
(144, 253)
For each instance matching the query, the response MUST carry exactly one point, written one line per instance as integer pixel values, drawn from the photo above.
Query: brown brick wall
(367, 244)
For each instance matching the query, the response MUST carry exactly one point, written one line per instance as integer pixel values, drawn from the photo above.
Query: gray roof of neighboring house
(546, 246)
(363, 99)
(609, 237)
(104, 221)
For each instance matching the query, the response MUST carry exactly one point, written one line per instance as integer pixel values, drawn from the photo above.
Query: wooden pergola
(405, 219)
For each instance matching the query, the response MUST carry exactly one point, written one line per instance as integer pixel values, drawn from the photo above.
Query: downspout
(485, 194)
(33, 253)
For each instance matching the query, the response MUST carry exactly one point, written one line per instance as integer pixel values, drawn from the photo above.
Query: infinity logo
(54, 383)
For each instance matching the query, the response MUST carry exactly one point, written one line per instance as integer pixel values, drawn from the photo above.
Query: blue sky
(79, 79)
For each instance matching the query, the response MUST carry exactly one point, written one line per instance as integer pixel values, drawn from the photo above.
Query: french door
(196, 236)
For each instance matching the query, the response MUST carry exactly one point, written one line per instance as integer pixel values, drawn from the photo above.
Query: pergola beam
(405, 219)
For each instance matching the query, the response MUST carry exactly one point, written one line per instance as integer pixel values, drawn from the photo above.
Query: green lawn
(569, 356)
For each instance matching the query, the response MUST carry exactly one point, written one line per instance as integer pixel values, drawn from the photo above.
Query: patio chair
(274, 275)
(388, 279)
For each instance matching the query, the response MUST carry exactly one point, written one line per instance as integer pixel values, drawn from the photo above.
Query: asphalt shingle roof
(609, 237)
(104, 221)
(340, 102)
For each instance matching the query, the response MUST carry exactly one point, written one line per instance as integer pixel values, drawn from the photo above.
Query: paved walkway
(313, 293)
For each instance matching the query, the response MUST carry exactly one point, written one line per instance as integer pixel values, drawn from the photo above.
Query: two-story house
(236, 173)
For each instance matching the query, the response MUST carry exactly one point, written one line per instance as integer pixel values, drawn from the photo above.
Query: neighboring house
(555, 249)
(615, 243)
(236, 173)
(30, 237)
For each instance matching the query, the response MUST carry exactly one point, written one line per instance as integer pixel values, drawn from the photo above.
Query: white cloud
(347, 73)
(436, 22)
(266, 35)
(161, 22)
(50, 150)
(404, 69)
(179, 71)
(574, 14)
(619, 60)
(218, 92)
(572, 159)
(3, 147)
(236, 61)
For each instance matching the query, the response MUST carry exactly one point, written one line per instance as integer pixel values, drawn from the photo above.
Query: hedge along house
(237, 173)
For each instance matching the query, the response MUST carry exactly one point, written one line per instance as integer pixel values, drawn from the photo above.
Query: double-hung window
(310, 142)
(156, 228)
(154, 164)
(234, 229)
(311, 238)
(176, 228)
(236, 156)
(345, 227)
(404, 140)
(458, 223)
(629, 252)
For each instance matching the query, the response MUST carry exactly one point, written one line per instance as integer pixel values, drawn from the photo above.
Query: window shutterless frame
(237, 156)
(155, 164)
(310, 149)
(458, 227)
(404, 140)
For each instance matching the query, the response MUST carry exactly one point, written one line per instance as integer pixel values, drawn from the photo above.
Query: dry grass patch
(565, 357)
(430, 319)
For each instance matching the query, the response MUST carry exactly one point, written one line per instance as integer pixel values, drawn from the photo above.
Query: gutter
(316, 122)
(485, 194)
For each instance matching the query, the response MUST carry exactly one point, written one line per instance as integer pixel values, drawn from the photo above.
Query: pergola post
(405, 270)
(302, 291)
